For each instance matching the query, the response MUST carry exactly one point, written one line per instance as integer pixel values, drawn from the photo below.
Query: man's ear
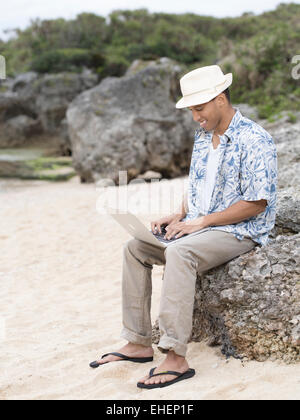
(221, 99)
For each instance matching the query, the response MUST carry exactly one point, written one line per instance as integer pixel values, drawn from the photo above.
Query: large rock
(283, 130)
(54, 94)
(248, 111)
(131, 123)
(11, 105)
(44, 99)
(25, 87)
(288, 163)
(285, 133)
(17, 130)
(251, 305)
(288, 210)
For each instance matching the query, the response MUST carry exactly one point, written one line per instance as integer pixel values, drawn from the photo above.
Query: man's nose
(196, 116)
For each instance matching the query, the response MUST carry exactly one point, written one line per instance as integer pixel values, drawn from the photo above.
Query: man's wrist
(179, 214)
(207, 220)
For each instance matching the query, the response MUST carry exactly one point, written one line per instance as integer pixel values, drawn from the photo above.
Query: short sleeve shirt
(247, 170)
(210, 178)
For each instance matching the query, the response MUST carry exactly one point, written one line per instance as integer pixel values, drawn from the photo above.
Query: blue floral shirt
(247, 170)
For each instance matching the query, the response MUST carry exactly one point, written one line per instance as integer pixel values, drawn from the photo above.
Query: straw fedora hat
(201, 85)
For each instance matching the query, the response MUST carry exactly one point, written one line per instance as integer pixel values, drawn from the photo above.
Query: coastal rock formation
(130, 123)
(42, 98)
(251, 305)
(288, 153)
(18, 129)
(288, 211)
(11, 105)
(55, 92)
(248, 111)
(284, 129)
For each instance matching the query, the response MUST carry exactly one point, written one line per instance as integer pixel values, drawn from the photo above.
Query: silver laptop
(139, 231)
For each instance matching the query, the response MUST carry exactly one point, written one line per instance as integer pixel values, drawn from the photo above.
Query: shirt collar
(234, 123)
(229, 133)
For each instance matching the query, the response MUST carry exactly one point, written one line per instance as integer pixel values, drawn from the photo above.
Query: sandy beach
(60, 287)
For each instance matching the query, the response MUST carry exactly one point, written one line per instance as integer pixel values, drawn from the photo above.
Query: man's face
(208, 115)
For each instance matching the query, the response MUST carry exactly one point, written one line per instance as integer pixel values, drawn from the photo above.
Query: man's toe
(109, 358)
(104, 360)
(156, 380)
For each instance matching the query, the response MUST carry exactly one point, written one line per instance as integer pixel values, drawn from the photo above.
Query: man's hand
(182, 228)
(167, 220)
(236, 213)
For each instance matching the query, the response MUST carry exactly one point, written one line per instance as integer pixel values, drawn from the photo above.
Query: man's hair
(227, 94)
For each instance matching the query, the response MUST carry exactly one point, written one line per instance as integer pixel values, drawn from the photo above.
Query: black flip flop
(96, 364)
(180, 377)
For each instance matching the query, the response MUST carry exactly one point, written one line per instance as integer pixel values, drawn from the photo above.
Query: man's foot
(130, 350)
(172, 362)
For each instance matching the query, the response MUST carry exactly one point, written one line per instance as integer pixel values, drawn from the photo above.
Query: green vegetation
(66, 59)
(257, 49)
(48, 169)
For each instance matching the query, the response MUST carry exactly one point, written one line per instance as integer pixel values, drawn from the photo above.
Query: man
(232, 190)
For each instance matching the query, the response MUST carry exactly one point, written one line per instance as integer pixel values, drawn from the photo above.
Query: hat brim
(202, 98)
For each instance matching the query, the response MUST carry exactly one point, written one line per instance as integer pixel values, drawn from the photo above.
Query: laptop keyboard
(160, 236)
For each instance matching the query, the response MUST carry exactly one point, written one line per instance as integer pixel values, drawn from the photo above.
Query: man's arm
(236, 213)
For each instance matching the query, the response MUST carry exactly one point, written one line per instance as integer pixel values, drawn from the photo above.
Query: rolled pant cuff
(167, 343)
(135, 338)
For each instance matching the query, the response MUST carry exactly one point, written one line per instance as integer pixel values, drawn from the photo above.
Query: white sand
(60, 281)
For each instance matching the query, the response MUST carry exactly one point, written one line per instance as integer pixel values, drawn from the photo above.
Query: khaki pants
(182, 260)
